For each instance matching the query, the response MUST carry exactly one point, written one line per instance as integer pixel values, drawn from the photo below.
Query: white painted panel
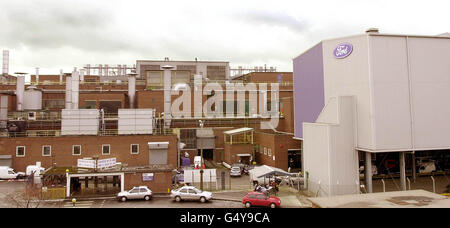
(350, 76)
(430, 78)
(391, 109)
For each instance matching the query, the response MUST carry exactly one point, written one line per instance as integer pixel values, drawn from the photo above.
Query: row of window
(76, 150)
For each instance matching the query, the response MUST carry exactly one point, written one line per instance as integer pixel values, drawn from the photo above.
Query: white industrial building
(371, 93)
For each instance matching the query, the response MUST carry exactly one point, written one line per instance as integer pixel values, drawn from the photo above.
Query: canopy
(267, 171)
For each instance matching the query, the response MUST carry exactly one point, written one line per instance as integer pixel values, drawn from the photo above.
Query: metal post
(402, 171)
(201, 166)
(409, 183)
(434, 184)
(414, 166)
(384, 185)
(368, 173)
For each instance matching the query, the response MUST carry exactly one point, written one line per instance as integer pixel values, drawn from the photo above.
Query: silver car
(141, 192)
(235, 171)
(190, 193)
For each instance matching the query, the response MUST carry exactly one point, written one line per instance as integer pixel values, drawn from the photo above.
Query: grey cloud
(273, 18)
(44, 24)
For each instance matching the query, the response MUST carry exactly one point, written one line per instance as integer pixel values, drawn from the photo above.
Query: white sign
(105, 163)
(86, 163)
(193, 176)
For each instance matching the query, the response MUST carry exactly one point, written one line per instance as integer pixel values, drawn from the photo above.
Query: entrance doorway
(295, 159)
(208, 154)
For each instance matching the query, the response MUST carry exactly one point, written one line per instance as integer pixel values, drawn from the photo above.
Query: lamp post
(201, 160)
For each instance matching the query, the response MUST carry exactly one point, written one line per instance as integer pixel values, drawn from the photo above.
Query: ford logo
(343, 50)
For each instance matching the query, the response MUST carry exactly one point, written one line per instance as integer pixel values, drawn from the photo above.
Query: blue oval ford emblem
(343, 50)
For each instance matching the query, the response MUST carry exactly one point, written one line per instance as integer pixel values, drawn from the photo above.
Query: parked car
(190, 193)
(8, 173)
(235, 171)
(260, 199)
(141, 192)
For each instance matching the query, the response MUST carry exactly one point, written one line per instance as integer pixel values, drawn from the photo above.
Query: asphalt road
(153, 203)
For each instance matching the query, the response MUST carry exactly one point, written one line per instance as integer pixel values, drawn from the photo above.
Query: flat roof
(397, 199)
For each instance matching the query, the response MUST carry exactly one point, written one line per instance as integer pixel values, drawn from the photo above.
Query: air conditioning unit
(31, 115)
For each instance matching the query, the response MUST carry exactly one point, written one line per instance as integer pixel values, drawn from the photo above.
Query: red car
(260, 199)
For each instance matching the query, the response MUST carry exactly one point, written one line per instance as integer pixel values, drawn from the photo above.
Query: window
(180, 77)
(154, 77)
(189, 137)
(90, 104)
(269, 152)
(46, 150)
(76, 150)
(54, 104)
(134, 148)
(261, 197)
(252, 196)
(265, 151)
(20, 151)
(106, 149)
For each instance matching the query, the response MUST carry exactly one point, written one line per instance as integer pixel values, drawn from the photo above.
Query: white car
(8, 173)
(141, 192)
(190, 193)
(235, 171)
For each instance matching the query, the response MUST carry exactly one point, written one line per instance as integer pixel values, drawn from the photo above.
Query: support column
(368, 172)
(122, 182)
(402, 171)
(67, 185)
(413, 162)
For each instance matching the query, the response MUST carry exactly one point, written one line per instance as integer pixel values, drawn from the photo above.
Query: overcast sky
(62, 34)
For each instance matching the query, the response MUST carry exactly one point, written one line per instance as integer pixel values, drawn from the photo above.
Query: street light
(201, 160)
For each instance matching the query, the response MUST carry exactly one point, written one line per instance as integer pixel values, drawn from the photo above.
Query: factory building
(121, 112)
(369, 100)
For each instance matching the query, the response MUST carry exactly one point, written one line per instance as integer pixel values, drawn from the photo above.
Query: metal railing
(58, 133)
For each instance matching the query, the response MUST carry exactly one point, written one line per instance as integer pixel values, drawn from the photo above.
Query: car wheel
(123, 199)
(147, 198)
(177, 198)
(248, 205)
(272, 205)
(202, 199)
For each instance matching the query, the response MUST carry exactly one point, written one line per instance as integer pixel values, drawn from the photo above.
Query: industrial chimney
(20, 90)
(167, 94)
(5, 68)
(132, 89)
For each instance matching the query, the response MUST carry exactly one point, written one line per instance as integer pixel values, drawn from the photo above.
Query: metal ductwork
(167, 94)
(20, 90)
(132, 89)
(5, 68)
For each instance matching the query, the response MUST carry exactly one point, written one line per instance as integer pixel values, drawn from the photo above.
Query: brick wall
(162, 181)
(61, 149)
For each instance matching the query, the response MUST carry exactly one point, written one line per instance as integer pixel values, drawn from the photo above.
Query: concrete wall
(329, 151)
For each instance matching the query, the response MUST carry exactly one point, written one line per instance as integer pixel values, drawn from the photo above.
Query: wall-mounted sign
(343, 50)
(86, 163)
(147, 177)
(105, 163)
